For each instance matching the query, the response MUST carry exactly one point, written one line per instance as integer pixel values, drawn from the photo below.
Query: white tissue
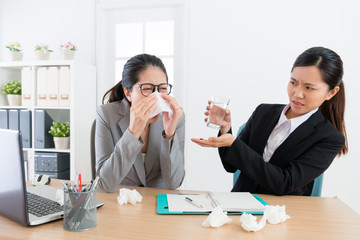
(217, 218)
(161, 105)
(272, 214)
(128, 196)
(275, 214)
(248, 222)
(60, 197)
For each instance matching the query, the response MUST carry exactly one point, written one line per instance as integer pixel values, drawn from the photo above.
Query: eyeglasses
(148, 88)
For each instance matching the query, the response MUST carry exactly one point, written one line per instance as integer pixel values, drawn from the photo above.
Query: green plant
(42, 47)
(14, 46)
(12, 87)
(60, 129)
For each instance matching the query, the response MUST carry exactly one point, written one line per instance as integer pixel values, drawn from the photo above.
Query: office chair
(92, 150)
(317, 187)
(237, 173)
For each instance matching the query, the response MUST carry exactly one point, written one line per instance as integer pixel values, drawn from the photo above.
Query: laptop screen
(12, 177)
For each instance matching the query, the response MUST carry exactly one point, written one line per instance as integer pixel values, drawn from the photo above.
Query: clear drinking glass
(217, 113)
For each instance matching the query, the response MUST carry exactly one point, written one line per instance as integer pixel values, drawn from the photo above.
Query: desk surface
(311, 218)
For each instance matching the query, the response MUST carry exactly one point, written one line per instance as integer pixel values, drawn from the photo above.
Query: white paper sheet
(230, 201)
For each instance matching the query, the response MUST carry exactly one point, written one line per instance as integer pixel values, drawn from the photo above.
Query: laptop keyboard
(40, 206)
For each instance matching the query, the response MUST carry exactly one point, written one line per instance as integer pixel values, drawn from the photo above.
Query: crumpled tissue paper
(60, 197)
(272, 214)
(217, 218)
(161, 105)
(275, 214)
(128, 196)
(248, 222)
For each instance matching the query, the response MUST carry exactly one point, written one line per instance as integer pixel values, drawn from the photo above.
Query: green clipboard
(162, 207)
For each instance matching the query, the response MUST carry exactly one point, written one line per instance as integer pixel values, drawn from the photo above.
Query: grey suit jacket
(118, 152)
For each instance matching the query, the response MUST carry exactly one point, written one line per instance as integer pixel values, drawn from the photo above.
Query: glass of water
(217, 113)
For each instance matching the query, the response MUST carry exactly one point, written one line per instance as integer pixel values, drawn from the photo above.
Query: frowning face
(307, 91)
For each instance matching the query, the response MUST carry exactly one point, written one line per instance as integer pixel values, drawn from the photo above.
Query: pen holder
(80, 210)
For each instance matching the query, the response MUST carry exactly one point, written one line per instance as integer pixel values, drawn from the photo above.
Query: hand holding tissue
(161, 105)
(128, 196)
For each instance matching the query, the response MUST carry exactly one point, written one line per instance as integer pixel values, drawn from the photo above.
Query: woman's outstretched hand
(225, 140)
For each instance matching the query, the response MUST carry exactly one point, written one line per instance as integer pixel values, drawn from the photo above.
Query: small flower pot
(61, 142)
(67, 54)
(14, 99)
(42, 55)
(16, 56)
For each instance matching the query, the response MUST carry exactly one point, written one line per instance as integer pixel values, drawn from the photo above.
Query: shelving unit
(80, 113)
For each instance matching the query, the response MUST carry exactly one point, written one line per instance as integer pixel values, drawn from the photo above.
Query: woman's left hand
(225, 140)
(170, 123)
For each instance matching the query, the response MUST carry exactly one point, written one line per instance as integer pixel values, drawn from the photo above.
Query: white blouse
(282, 130)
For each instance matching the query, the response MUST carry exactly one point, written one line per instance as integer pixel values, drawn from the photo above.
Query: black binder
(43, 122)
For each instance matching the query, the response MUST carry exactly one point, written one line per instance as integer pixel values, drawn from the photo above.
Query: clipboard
(162, 207)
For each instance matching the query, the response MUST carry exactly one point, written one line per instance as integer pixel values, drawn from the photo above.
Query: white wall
(242, 49)
(245, 50)
(50, 22)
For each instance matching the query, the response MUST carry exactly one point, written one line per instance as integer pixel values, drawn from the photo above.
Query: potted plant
(13, 91)
(67, 51)
(61, 133)
(16, 53)
(42, 52)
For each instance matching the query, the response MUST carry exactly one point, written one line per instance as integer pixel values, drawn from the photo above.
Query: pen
(93, 187)
(95, 183)
(64, 185)
(196, 204)
(88, 186)
(79, 179)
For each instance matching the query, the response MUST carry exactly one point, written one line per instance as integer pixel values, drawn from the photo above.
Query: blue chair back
(236, 176)
(317, 187)
(237, 173)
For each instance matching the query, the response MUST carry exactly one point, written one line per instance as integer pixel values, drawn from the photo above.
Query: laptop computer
(15, 198)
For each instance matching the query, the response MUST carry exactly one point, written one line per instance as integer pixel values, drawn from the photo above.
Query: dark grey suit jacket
(118, 152)
(304, 155)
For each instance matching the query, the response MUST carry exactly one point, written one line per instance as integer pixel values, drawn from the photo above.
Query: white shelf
(81, 112)
(47, 150)
(12, 107)
(25, 107)
(21, 64)
(51, 150)
(55, 108)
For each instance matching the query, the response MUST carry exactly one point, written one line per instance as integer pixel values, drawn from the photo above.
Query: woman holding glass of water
(132, 147)
(283, 148)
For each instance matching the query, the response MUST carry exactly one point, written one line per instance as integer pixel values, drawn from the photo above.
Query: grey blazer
(118, 152)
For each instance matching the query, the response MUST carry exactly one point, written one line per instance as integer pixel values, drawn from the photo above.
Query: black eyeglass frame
(155, 87)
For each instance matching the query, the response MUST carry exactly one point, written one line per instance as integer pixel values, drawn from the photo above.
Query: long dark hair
(331, 68)
(130, 75)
